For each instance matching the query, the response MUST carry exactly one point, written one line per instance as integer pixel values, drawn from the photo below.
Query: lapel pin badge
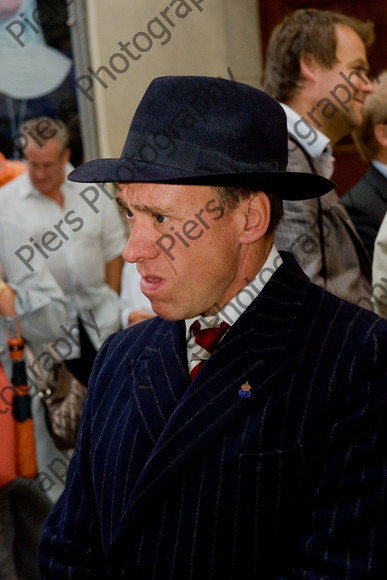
(245, 390)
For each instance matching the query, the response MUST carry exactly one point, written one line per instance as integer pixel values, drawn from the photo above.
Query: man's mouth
(150, 283)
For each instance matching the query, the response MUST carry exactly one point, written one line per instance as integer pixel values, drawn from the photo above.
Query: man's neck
(381, 155)
(329, 126)
(56, 195)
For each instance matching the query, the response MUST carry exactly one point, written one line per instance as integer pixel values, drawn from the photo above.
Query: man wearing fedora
(256, 453)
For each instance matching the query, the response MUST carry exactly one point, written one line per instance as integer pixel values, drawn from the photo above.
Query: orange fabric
(7, 432)
(25, 449)
(25, 440)
(10, 169)
(17, 441)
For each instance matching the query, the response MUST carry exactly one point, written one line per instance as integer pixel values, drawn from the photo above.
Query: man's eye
(128, 213)
(161, 218)
(365, 70)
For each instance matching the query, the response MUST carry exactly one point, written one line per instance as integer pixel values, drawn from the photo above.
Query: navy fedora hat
(206, 131)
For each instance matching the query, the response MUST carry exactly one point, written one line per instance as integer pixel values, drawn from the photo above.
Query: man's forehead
(162, 192)
(47, 148)
(344, 35)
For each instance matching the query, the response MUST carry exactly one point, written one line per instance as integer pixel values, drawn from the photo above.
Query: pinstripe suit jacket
(348, 267)
(178, 480)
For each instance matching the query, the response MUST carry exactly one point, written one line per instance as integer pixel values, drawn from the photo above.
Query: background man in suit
(366, 202)
(266, 459)
(317, 67)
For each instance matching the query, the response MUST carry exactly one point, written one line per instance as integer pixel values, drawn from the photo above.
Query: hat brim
(289, 185)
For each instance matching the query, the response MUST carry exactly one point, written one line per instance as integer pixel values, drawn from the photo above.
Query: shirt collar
(315, 147)
(233, 309)
(381, 167)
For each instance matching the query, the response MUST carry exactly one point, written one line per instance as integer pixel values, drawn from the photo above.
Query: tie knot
(209, 337)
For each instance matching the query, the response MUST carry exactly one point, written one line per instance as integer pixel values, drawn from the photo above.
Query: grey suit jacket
(347, 268)
(366, 204)
(180, 480)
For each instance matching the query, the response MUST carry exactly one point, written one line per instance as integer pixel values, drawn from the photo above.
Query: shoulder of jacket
(348, 317)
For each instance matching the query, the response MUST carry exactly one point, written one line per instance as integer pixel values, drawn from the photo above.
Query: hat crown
(200, 121)
(195, 130)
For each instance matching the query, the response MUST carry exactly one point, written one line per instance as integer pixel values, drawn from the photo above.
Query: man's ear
(308, 67)
(257, 218)
(380, 134)
(66, 155)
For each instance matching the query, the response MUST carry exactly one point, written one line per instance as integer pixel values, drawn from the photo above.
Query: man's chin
(167, 312)
(43, 190)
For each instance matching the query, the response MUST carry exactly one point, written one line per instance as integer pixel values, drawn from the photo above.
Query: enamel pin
(245, 390)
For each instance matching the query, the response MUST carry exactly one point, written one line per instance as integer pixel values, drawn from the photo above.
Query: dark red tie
(208, 339)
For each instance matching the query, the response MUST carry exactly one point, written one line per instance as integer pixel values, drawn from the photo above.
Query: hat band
(160, 149)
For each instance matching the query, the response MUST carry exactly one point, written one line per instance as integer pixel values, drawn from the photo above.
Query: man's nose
(39, 172)
(140, 245)
(367, 86)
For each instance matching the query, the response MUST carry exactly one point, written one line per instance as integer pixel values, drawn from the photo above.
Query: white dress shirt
(84, 235)
(381, 167)
(131, 297)
(316, 143)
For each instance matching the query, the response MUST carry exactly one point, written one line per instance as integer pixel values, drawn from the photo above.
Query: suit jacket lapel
(256, 349)
(160, 377)
(331, 203)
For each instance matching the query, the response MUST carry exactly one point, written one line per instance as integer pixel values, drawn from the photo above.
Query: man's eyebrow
(121, 202)
(360, 62)
(154, 210)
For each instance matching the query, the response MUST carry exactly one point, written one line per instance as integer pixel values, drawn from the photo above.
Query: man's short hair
(305, 31)
(374, 113)
(42, 129)
(230, 197)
